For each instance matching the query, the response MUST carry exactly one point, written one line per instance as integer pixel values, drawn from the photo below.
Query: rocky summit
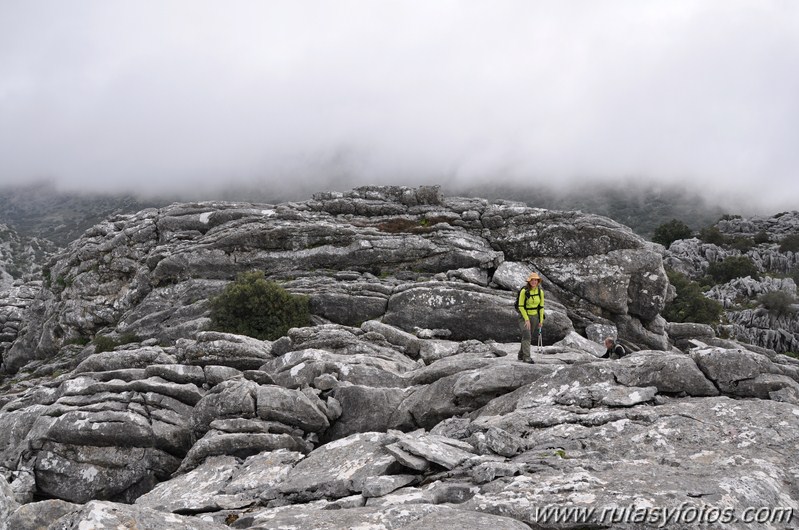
(403, 405)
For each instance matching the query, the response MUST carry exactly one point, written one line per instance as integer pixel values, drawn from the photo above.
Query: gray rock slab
(102, 514)
(39, 515)
(291, 407)
(221, 483)
(82, 473)
(301, 518)
(121, 359)
(177, 373)
(382, 485)
(224, 349)
(196, 491)
(437, 449)
(8, 503)
(339, 468)
(669, 372)
(367, 409)
(240, 445)
(460, 519)
(302, 367)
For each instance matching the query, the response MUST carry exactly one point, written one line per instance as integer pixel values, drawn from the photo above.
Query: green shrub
(790, 243)
(762, 237)
(712, 234)
(103, 344)
(731, 268)
(794, 274)
(778, 302)
(671, 231)
(80, 341)
(258, 308)
(742, 243)
(690, 305)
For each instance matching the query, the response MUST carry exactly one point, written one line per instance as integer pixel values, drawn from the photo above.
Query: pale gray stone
(39, 515)
(102, 514)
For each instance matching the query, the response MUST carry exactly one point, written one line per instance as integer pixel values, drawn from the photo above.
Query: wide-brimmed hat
(533, 276)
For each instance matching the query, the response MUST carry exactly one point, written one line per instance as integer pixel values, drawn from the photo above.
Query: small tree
(690, 305)
(742, 243)
(778, 302)
(258, 308)
(731, 268)
(671, 231)
(762, 237)
(712, 234)
(790, 243)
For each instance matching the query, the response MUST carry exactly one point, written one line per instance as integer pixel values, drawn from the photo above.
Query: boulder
(115, 515)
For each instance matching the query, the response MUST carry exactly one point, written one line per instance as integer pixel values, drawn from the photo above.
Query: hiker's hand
(527, 324)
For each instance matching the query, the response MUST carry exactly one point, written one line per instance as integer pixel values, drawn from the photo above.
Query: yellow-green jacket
(531, 302)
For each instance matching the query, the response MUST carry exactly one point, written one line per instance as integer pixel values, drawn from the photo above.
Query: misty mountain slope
(641, 206)
(42, 211)
(20, 256)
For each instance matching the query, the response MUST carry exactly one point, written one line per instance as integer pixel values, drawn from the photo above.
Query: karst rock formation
(403, 406)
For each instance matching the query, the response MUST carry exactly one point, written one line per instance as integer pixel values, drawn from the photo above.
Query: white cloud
(164, 94)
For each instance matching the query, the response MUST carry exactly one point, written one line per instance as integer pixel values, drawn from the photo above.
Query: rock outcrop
(407, 256)
(749, 320)
(403, 406)
(343, 428)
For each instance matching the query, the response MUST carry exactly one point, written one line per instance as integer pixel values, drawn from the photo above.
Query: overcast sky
(173, 94)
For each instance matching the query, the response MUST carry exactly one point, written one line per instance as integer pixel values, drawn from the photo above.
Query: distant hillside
(40, 210)
(640, 207)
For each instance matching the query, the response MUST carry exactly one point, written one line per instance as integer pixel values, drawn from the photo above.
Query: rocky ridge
(403, 406)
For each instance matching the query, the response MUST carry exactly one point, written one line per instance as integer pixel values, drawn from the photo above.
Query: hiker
(530, 304)
(614, 350)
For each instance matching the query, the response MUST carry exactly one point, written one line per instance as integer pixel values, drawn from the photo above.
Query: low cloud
(192, 95)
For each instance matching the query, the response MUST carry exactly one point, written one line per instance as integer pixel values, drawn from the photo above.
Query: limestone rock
(114, 515)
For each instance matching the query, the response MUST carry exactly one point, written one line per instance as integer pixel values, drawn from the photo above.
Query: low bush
(762, 237)
(712, 234)
(778, 302)
(258, 308)
(741, 243)
(790, 243)
(103, 344)
(731, 268)
(671, 231)
(690, 304)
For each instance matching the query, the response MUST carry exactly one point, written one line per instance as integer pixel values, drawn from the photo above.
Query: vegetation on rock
(690, 304)
(778, 302)
(256, 307)
(671, 231)
(731, 268)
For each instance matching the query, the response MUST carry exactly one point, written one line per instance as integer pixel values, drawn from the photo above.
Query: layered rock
(361, 255)
(341, 426)
(403, 406)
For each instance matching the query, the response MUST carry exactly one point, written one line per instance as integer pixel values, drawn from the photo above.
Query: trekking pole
(540, 342)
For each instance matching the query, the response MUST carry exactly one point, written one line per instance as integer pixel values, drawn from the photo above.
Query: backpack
(524, 300)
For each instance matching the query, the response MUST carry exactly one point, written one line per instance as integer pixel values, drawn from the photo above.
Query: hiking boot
(528, 361)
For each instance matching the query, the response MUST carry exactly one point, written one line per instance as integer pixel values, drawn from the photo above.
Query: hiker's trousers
(524, 351)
